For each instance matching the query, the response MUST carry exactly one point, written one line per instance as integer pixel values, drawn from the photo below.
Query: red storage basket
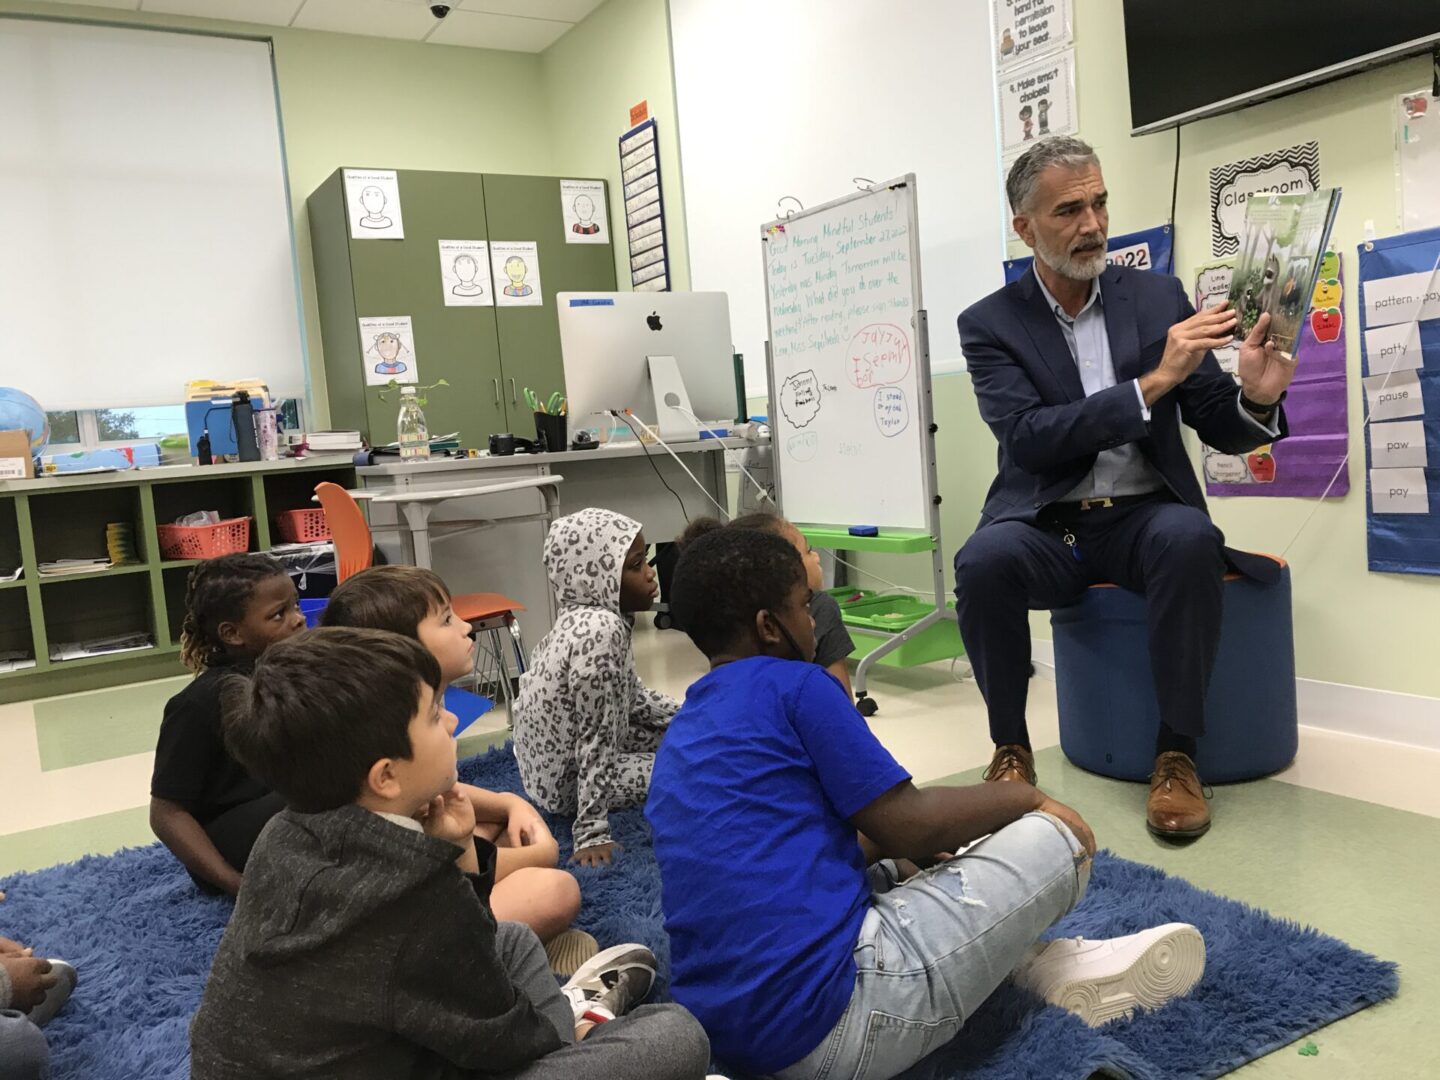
(204, 541)
(305, 526)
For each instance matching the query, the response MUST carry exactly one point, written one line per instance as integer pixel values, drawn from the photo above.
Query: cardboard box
(15, 460)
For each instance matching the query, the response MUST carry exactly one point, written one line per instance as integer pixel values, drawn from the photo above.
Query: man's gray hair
(1064, 150)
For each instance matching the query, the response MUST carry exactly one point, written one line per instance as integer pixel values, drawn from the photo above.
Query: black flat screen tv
(1187, 62)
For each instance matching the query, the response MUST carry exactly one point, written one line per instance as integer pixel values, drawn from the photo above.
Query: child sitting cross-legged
(362, 943)
(586, 728)
(799, 959)
(414, 602)
(204, 805)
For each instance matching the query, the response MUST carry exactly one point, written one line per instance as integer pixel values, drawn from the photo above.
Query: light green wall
(1351, 626)
(619, 55)
(366, 101)
(351, 100)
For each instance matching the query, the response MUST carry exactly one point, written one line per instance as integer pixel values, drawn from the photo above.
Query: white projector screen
(799, 98)
(144, 216)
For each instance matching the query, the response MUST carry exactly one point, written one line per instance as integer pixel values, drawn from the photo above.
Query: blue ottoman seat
(1106, 694)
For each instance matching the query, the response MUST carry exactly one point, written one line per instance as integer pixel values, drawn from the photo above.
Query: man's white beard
(1074, 267)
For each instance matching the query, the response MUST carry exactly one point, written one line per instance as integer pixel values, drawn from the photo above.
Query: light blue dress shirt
(1124, 470)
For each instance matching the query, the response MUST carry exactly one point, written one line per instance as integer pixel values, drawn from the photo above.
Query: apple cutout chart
(1305, 463)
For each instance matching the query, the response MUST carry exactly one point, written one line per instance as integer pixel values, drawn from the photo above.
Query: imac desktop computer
(666, 357)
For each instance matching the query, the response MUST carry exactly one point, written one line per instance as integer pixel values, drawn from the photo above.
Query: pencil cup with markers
(551, 431)
(550, 420)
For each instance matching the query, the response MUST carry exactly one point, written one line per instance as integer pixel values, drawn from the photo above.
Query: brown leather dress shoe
(1012, 762)
(1177, 809)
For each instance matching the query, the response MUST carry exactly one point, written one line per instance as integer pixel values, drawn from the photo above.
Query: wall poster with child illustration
(582, 206)
(388, 350)
(372, 203)
(1024, 29)
(516, 268)
(465, 273)
(1037, 100)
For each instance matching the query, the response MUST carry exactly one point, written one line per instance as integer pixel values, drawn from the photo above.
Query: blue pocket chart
(1400, 344)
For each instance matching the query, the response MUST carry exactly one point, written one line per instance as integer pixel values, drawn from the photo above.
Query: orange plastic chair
(490, 615)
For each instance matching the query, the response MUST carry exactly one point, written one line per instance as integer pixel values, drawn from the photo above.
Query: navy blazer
(1049, 432)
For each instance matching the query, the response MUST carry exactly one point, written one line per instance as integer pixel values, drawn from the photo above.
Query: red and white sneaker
(1104, 980)
(611, 983)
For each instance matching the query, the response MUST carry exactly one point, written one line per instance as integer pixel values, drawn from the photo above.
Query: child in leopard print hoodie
(586, 728)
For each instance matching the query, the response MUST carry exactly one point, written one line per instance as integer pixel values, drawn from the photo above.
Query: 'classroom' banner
(1149, 249)
(1400, 313)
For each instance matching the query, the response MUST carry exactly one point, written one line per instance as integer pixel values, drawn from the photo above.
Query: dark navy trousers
(1170, 553)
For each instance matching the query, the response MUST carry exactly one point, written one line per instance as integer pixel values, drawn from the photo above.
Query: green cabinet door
(459, 344)
(527, 208)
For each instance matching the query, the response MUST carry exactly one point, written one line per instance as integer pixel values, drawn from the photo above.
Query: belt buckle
(1096, 504)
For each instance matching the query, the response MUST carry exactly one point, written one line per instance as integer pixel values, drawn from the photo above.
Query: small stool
(1109, 715)
(492, 620)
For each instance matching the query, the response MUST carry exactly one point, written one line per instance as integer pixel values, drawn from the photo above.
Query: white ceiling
(517, 25)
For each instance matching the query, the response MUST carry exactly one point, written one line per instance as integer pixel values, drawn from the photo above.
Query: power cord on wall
(1174, 193)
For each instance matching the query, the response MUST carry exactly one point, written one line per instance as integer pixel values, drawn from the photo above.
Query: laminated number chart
(644, 208)
(1400, 312)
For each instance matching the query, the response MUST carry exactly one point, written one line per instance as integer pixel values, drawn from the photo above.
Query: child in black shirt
(204, 805)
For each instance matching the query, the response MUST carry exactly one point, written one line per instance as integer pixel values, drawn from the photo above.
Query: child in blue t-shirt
(794, 955)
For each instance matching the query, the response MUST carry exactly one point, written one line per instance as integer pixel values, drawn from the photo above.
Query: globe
(21, 412)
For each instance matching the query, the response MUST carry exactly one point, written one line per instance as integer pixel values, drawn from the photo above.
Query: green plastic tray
(843, 593)
(892, 614)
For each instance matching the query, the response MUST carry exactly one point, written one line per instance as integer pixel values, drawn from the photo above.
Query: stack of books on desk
(334, 440)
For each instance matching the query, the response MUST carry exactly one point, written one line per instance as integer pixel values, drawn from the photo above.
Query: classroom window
(64, 428)
(162, 149)
(139, 423)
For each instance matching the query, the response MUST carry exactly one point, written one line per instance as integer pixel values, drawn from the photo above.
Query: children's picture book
(1279, 261)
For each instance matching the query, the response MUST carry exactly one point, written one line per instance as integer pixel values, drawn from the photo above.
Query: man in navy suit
(1084, 372)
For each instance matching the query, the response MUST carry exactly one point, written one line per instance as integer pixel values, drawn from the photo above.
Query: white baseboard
(1363, 711)
(1042, 655)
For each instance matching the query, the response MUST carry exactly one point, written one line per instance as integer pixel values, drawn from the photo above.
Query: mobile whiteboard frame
(920, 325)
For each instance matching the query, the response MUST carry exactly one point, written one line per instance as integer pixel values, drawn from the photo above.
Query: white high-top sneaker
(1107, 979)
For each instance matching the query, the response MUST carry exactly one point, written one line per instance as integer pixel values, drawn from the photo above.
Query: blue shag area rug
(142, 938)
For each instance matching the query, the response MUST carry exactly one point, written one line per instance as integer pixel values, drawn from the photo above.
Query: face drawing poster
(582, 202)
(515, 266)
(372, 202)
(465, 273)
(388, 346)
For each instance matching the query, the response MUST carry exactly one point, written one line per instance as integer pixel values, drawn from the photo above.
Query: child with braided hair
(204, 805)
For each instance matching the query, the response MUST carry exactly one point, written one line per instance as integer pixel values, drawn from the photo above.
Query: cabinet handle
(513, 399)
(497, 390)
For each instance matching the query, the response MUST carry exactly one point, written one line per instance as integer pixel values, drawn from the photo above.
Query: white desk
(419, 504)
(504, 555)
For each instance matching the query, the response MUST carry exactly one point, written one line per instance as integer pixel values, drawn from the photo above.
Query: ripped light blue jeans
(932, 949)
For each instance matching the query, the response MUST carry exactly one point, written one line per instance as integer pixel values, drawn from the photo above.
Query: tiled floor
(1347, 839)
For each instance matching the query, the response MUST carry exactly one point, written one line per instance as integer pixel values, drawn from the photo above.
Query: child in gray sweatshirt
(362, 944)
